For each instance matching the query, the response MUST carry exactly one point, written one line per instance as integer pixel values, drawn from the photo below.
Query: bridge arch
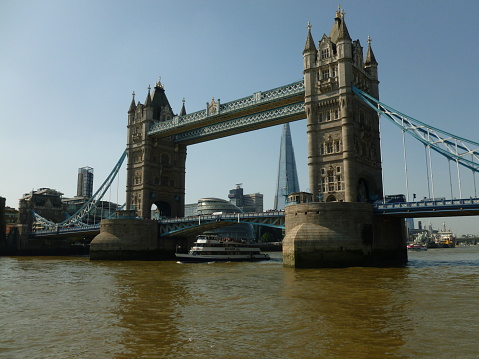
(367, 189)
(161, 209)
(331, 198)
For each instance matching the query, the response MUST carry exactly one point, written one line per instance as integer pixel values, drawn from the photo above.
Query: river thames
(71, 307)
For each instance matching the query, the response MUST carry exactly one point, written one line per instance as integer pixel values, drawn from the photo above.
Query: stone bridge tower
(344, 150)
(156, 166)
(338, 226)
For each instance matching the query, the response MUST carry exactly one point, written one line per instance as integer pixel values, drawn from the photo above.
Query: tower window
(336, 146)
(330, 147)
(320, 117)
(325, 74)
(324, 53)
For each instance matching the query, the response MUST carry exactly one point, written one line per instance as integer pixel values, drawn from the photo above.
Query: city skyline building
(287, 181)
(85, 182)
(252, 202)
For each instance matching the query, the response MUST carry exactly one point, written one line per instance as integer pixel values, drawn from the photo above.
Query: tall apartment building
(85, 182)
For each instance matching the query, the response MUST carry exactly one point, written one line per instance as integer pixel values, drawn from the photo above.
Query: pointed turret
(339, 31)
(183, 109)
(370, 59)
(309, 47)
(161, 106)
(371, 67)
(132, 104)
(310, 54)
(148, 98)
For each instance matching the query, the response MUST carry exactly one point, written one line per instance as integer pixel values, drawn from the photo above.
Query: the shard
(287, 174)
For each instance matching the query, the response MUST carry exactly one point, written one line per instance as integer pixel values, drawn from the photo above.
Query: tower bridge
(337, 225)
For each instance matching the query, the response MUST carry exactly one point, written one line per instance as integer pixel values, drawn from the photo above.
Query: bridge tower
(156, 166)
(344, 150)
(337, 226)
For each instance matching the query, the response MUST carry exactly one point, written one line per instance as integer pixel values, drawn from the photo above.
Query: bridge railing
(286, 91)
(223, 216)
(66, 230)
(428, 204)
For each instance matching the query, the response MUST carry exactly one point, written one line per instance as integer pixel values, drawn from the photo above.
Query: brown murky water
(73, 308)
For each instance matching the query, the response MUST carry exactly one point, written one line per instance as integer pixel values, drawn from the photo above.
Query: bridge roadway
(262, 109)
(192, 225)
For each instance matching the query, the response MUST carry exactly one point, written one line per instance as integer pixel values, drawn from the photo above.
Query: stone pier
(341, 234)
(129, 238)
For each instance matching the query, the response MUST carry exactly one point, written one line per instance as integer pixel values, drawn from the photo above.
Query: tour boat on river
(209, 248)
(417, 247)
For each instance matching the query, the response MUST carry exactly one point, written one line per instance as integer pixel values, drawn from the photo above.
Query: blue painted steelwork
(65, 231)
(174, 226)
(450, 146)
(430, 208)
(89, 206)
(258, 98)
(242, 123)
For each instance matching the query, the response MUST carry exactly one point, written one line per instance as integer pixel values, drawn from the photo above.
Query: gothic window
(336, 114)
(325, 74)
(323, 171)
(328, 116)
(333, 71)
(320, 117)
(336, 147)
(322, 149)
(330, 147)
(323, 184)
(324, 53)
(338, 178)
(338, 169)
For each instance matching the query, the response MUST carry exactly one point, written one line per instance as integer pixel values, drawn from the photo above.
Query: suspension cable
(430, 166)
(474, 179)
(450, 177)
(458, 175)
(427, 172)
(405, 165)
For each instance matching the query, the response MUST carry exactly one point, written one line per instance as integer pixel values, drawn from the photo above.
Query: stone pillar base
(126, 239)
(341, 234)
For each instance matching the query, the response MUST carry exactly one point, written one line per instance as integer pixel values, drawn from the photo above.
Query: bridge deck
(196, 224)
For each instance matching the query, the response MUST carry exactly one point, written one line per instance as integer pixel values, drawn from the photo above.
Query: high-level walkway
(262, 109)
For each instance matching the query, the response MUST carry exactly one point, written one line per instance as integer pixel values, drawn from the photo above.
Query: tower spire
(370, 58)
(148, 97)
(183, 109)
(132, 104)
(309, 47)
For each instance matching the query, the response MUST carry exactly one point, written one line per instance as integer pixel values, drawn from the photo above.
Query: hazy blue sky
(68, 68)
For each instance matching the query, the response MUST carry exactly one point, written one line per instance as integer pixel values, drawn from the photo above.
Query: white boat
(213, 249)
(417, 247)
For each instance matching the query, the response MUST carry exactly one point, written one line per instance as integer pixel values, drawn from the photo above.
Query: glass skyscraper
(287, 173)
